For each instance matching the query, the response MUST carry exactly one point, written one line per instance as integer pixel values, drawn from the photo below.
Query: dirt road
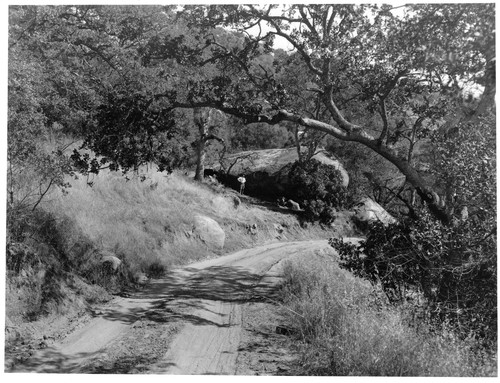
(189, 322)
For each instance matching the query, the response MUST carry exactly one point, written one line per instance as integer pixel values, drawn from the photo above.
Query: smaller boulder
(367, 211)
(108, 258)
(293, 205)
(209, 231)
(11, 332)
(252, 229)
(279, 229)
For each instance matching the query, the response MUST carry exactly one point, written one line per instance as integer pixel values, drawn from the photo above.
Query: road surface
(205, 301)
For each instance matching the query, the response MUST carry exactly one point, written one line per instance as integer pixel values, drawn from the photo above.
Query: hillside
(150, 215)
(146, 220)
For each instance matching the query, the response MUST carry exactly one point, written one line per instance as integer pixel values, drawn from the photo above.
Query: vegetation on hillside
(55, 253)
(452, 267)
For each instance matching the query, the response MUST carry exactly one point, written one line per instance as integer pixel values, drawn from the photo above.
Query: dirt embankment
(211, 317)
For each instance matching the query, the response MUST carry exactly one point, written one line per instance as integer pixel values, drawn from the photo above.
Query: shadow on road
(54, 362)
(221, 283)
(176, 295)
(170, 299)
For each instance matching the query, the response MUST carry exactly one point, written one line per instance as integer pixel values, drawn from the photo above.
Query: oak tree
(368, 57)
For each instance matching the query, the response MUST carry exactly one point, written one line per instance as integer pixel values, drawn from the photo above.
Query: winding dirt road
(189, 322)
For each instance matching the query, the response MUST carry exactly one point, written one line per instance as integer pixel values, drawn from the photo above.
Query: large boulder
(209, 232)
(267, 170)
(367, 211)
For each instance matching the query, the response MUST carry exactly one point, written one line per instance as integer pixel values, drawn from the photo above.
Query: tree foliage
(370, 74)
(465, 170)
(37, 114)
(453, 268)
(360, 59)
(255, 136)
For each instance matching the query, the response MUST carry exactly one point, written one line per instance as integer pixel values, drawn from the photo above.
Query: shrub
(156, 269)
(452, 267)
(318, 188)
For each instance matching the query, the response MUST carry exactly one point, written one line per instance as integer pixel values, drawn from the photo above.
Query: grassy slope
(145, 219)
(149, 217)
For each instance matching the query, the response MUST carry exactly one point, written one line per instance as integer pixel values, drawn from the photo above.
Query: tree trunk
(200, 159)
(200, 120)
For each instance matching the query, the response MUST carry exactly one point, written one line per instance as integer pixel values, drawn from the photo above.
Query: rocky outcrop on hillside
(266, 171)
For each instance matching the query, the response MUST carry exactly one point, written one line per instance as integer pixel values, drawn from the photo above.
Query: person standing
(242, 181)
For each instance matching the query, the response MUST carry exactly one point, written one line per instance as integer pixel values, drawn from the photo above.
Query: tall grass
(147, 218)
(54, 252)
(347, 329)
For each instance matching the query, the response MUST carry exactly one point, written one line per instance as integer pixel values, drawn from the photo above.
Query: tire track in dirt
(251, 276)
(205, 297)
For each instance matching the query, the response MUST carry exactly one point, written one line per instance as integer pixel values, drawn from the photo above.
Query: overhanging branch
(348, 132)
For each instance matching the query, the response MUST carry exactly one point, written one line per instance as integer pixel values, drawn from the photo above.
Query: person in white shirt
(242, 181)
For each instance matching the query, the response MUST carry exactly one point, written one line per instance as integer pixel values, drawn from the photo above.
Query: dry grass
(147, 218)
(347, 331)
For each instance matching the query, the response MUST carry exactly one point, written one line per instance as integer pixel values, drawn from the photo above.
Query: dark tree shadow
(220, 283)
(166, 300)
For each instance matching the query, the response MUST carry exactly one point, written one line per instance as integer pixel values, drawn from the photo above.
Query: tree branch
(306, 21)
(335, 112)
(279, 32)
(346, 131)
(330, 22)
(383, 114)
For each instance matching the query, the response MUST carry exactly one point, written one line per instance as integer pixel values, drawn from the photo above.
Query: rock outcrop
(293, 205)
(209, 231)
(266, 171)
